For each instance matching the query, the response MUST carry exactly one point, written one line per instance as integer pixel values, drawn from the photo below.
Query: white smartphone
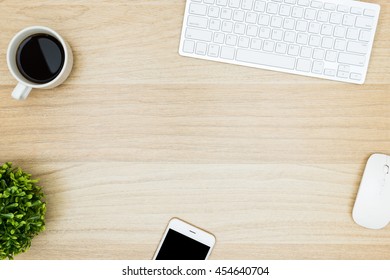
(182, 241)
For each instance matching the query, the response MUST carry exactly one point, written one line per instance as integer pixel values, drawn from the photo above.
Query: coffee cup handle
(21, 92)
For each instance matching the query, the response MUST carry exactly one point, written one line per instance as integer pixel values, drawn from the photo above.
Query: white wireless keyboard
(325, 39)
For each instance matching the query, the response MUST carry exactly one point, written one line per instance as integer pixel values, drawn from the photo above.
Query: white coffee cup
(25, 86)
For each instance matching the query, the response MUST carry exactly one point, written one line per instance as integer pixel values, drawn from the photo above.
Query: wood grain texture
(268, 162)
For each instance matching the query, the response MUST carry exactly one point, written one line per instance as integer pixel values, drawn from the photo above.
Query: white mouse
(372, 205)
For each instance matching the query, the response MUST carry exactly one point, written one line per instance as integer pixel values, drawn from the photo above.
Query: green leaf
(8, 216)
(13, 205)
(36, 203)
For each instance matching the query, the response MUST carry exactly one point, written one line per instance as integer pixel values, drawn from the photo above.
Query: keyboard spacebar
(267, 59)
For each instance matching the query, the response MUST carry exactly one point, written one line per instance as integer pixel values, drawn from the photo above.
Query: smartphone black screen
(177, 246)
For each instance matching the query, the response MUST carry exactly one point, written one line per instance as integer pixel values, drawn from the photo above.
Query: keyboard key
(201, 48)
(221, 2)
(357, 47)
(356, 11)
(342, 8)
(369, 13)
(198, 9)
(349, 20)
(297, 12)
(264, 19)
(318, 54)
(264, 32)
(304, 65)
(327, 42)
(330, 72)
(356, 76)
(289, 23)
(303, 3)
(219, 38)
(214, 12)
(331, 56)
(315, 41)
(239, 28)
(329, 6)
(284, 10)
(256, 44)
(252, 30)
(238, 15)
(314, 28)
(306, 52)
(226, 13)
(227, 53)
(215, 24)
(266, 59)
(199, 22)
(227, 26)
(197, 34)
(342, 74)
(340, 45)
(316, 4)
(243, 42)
(365, 35)
(364, 22)
(310, 14)
(272, 8)
(344, 68)
(276, 21)
(327, 30)
(358, 60)
(251, 18)
(339, 32)
(323, 16)
(259, 6)
(214, 50)
(336, 18)
(301, 25)
(293, 50)
(269, 46)
(318, 67)
(352, 33)
(189, 46)
(231, 40)
(302, 38)
(234, 3)
(281, 48)
(289, 36)
(247, 4)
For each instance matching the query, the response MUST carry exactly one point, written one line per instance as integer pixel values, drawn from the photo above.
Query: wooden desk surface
(268, 162)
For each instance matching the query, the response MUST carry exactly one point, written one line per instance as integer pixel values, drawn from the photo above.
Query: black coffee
(40, 58)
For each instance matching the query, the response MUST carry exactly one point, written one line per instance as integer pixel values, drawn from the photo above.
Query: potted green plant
(22, 210)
